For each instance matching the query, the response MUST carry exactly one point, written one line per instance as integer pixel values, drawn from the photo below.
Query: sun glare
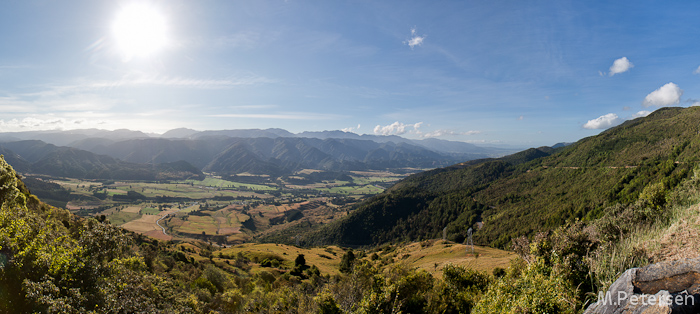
(139, 31)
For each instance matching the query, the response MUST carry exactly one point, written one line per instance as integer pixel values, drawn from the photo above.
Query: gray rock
(667, 287)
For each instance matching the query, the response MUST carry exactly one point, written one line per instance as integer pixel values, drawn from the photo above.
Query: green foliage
(541, 288)
(403, 290)
(347, 262)
(460, 290)
(464, 278)
(654, 194)
(326, 304)
(551, 277)
(56, 263)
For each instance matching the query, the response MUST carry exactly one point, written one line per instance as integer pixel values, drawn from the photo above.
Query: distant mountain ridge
(258, 151)
(79, 136)
(265, 155)
(63, 138)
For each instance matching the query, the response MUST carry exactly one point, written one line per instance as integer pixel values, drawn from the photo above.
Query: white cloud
(280, 116)
(521, 117)
(667, 95)
(603, 122)
(692, 102)
(697, 71)
(397, 128)
(416, 40)
(439, 133)
(351, 129)
(620, 66)
(32, 124)
(640, 114)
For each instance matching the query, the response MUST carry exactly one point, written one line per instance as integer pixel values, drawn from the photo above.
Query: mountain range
(33, 156)
(270, 151)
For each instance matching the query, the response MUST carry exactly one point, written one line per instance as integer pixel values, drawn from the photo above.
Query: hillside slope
(538, 189)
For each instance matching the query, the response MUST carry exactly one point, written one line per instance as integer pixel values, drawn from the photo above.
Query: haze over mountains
(93, 153)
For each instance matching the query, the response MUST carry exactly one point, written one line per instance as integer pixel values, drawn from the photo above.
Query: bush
(347, 261)
(326, 304)
(459, 291)
(539, 289)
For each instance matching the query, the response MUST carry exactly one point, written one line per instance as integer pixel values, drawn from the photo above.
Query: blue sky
(523, 73)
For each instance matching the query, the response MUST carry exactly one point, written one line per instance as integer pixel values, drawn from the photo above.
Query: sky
(522, 73)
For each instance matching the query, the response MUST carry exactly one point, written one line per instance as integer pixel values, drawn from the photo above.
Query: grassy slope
(436, 254)
(429, 255)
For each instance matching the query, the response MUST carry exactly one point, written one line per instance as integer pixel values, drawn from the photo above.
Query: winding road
(164, 216)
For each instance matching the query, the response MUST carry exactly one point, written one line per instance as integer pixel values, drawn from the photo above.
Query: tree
(655, 194)
(347, 262)
(300, 260)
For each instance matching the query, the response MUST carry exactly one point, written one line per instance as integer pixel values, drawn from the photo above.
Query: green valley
(224, 210)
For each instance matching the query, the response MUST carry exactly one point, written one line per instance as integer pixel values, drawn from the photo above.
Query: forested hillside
(531, 191)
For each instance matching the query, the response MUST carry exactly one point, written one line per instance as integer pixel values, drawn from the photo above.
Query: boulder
(666, 287)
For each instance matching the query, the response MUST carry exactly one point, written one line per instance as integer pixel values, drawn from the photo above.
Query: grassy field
(219, 183)
(175, 190)
(431, 256)
(326, 259)
(364, 189)
(120, 218)
(150, 211)
(196, 225)
(143, 224)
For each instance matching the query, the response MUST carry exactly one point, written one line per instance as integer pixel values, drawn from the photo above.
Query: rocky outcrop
(667, 287)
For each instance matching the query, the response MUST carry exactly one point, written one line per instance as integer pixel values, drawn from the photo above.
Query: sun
(139, 31)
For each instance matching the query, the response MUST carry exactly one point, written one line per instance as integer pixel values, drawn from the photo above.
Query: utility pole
(469, 241)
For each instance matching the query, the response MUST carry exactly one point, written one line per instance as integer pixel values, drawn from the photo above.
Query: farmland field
(222, 209)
